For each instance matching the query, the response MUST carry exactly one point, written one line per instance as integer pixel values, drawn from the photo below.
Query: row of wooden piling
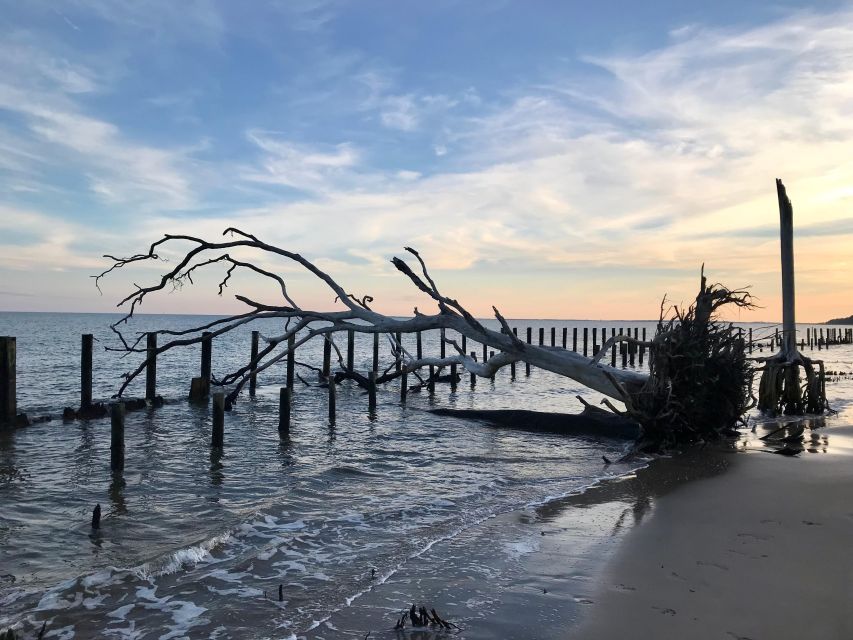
(586, 341)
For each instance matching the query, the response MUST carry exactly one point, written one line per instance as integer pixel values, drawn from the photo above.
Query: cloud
(43, 89)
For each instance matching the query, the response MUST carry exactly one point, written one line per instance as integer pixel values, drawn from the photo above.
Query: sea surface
(200, 543)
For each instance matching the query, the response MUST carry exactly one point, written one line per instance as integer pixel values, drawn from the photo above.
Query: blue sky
(554, 158)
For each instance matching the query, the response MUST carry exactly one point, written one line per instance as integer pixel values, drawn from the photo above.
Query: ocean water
(196, 543)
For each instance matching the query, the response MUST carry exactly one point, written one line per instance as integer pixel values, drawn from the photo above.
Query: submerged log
(592, 421)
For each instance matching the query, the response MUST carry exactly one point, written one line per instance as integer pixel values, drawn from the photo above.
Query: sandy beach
(759, 551)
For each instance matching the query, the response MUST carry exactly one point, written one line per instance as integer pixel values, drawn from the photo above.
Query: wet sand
(760, 551)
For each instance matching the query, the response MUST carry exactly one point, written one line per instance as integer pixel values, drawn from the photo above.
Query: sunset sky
(555, 159)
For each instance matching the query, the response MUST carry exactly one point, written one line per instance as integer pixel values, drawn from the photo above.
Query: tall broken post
(780, 389)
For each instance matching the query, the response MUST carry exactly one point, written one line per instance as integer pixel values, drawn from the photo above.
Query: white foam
(121, 612)
(522, 548)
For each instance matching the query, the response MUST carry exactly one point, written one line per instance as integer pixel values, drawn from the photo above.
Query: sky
(554, 159)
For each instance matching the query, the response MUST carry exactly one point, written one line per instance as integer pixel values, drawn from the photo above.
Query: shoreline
(759, 551)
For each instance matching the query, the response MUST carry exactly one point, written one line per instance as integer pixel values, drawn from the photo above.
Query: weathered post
(512, 364)
(371, 391)
(541, 336)
(117, 436)
(642, 347)
(86, 371)
(473, 377)
(404, 386)
(419, 347)
(151, 367)
(594, 340)
(553, 336)
(491, 355)
(284, 397)
(254, 356)
(431, 380)
(206, 354)
(585, 335)
(575, 339)
(453, 376)
(442, 347)
(8, 381)
(613, 348)
(485, 353)
(333, 400)
(529, 341)
(327, 356)
(350, 350)
(631, 348)
(375, 364)
(565, 336)
(217, 438)
(291, 361)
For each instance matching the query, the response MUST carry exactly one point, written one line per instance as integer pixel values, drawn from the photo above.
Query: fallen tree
(697, 365)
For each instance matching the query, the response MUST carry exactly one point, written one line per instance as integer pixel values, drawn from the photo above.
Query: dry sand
(763, 550)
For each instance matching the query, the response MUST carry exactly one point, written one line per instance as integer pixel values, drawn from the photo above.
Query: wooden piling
(151, 367)
(350, 350)
(553, 336)
(253, 381)
(291, 361)
(631, 348)
(8, 380)
(371, 391)
(585, 335)
(512, 364)
(541, 336)
(327, 356)
(404, 386)
(565, 336)
(419, 346)
(199, 389)
(284, 401)
(613, 348)
(431, 380)
(206, 354)
(442, 346)
(575, 339)
(642, 347)
(117, 436)
(529, 341)
(86, 371)
(217, 437)
(485, 353)
(453, 376)
(374, 366)
(333, 400)
(594, 340)
(492, 355)
(473, 376)
(464, 344)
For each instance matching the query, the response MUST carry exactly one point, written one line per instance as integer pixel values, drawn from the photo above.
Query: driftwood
(419, 617)
(592, 421)
(663, 402)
